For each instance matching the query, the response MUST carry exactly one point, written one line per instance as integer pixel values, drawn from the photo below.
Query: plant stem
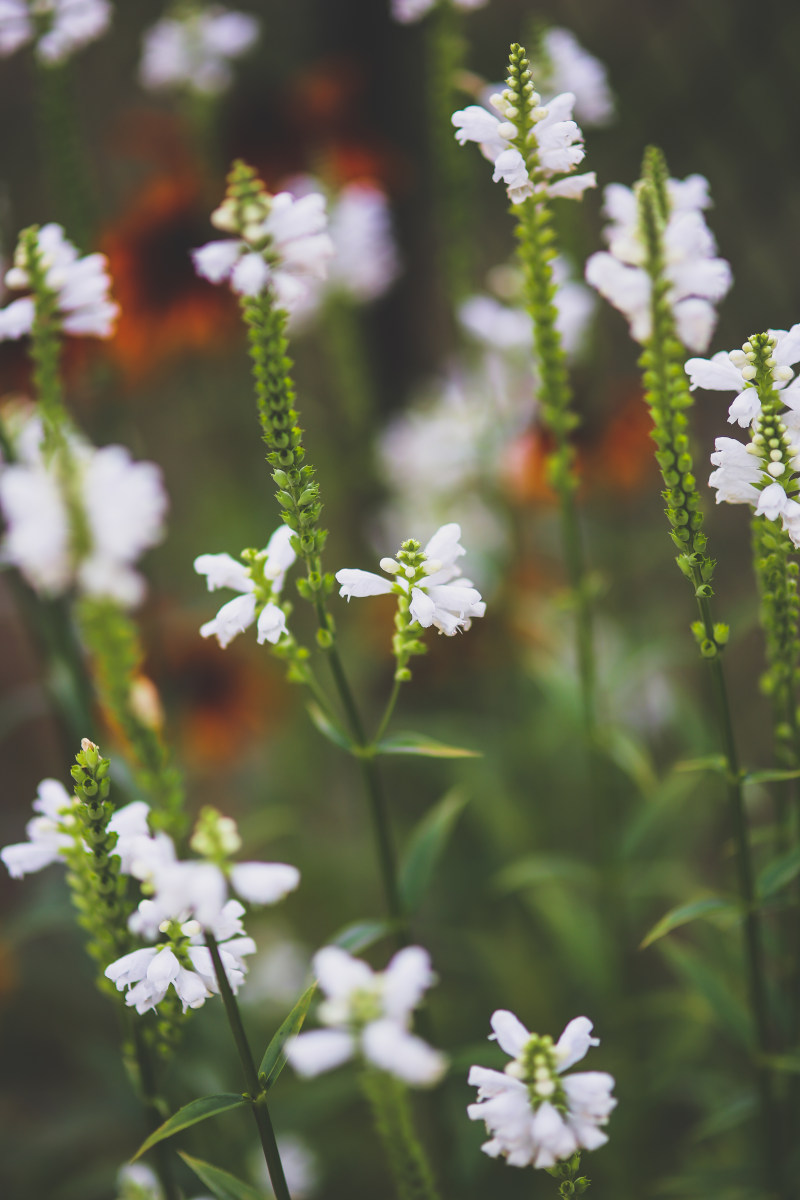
(153, 1112)
(407, 1159)
(256, 1094)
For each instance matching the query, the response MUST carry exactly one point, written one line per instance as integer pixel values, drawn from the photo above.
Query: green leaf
(782, 1062)
(361, 935)
(711, 762)
(631, 757)
(328, 729)
(684, 913)
(190, 1114)
(726, 1009)
(274, 1058)
(769, 775)
(224, 1185)
(418, 743)
(536, 869)
(426, 847)
(775, 875)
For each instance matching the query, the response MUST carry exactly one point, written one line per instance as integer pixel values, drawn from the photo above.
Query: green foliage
(223, 1185)
(426, 846)
(191, 1114)
(274, 1058)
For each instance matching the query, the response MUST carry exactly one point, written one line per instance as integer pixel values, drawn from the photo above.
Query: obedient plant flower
(280, 242)
(535, 1114)
(259, 579)
(57, 26)
(182, 962)
(193, 50)
(566, 66)
(368, 1015)
(50, 833)
(82, 524)
(529, 144)
(428, 580)
(734, 372)
(79, 286)
(408, 11)
(697, 278)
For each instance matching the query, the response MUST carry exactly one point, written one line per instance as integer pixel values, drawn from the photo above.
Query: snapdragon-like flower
(182, 962)
(432, 584)
(50, 832)
(80, 287)
(734, 372)
(57, 26)
(408, 11)
(535, 1114)
(259, 579)
(368, 1015)
(529, 144)
(281, 243)
(569, 67)
(82, 525)
(697, 278)
(193, 51)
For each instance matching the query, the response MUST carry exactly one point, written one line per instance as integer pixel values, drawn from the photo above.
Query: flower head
(529, 144)
(697, 279)
(566, 66)
(193, 51)
(52, 831)
(535, 1115)
(79, 286)
(57, 26)
(368, 1014)
(408, 11)
(281, 242)
(259, 580)
(734, 371)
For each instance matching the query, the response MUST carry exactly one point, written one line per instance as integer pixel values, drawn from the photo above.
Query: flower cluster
(408, 11)
(735, 371)
(697, 278)
(529, 144)
(534, 1113)
(259, 579)
(82, 523)
(431, 587)
(281, 243)
(193, 50)
(368, 1015)
(57, 26)
(564, 65)
(79, 286)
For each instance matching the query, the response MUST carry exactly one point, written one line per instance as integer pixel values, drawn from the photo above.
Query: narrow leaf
(328, 729)
(711, 762)
(361, 935)
(426, 847)
(782, 1062)
(274, 1058)
(769, 775)
(775, 875)
(224, 1185)
(684, 913)
(190, 1114)
(418, 743)
(536, 869)
(726, 1010)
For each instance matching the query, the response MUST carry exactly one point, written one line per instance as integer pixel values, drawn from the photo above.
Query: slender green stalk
(570, 1182)
(63, 153)
(154, 1111)
(256, 1094)
(408, 1161)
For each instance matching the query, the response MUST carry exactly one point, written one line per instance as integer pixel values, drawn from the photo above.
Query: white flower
(696, 277)
(742, 476)
(555, 138)
(284, 251)
(80, 285)
(573, 69)
(257, 601)
(369, 1014)
(200, 889)
(535, 1116)
(438, 596)
(183, 963)
(47, 839)
(733, 372)
(194, 51)
(407, 11)
(123, 504)
(65, 25)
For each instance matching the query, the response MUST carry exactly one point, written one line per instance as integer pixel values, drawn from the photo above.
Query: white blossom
(285, 251)
(122, 508)
(535, 1115)
(697, 278)
(256, 604)
(571, 68)
(733, 372)
(194, 51)
(80, 285)
(50, 832)
(408, 11)
(62, 25)
(440, 597)
(368, 1014)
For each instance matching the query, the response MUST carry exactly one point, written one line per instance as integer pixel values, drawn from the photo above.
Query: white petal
(714, 374)
(231, 620)
(390, 1047)
(405, 980)
(250, 275)
(216, 260)
(422, 608)
(340, 974)
(271, 624)
(510, 1033)
(574, 1042)
(264, 883)
(318, 1051)
(223, 571)
(361, 583)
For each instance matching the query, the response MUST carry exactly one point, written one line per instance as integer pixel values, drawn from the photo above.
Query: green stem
(409, 1164)
(256, 1094)
(64, 154)
(154, 1113)
(387, 716)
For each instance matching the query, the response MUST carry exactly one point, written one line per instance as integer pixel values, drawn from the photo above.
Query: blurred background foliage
(557, 868)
